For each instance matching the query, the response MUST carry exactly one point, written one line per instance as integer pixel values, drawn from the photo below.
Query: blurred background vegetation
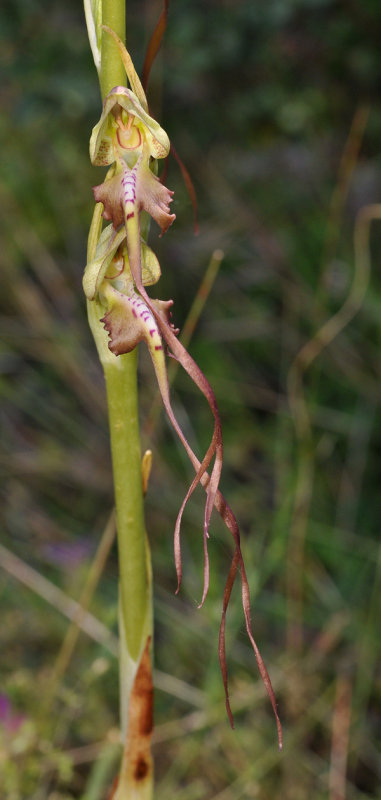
(275, 109)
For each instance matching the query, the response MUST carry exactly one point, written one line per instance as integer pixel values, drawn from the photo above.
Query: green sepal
(95, 270)
(108, 244)
(151, 271)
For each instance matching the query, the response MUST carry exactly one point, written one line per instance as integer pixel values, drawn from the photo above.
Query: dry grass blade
(340, 739)
(91, 583)
(57, 599)
(348, 163)
(199, 302)
(328, 332)
(301, 418)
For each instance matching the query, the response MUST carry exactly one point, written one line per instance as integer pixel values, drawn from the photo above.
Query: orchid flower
(129, 140)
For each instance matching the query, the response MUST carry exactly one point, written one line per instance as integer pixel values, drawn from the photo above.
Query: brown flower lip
(133, 190)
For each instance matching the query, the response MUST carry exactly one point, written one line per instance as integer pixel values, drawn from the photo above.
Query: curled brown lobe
(231, 523)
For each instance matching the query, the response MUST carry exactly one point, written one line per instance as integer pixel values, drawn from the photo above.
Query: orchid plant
(121, 313)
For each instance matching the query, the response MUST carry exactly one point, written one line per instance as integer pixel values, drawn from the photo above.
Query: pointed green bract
(132, 75)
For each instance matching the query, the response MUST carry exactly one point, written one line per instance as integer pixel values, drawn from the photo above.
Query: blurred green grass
(259, 101)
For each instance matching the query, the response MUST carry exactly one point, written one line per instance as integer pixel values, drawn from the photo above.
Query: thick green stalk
(122, 400)
(134, 558)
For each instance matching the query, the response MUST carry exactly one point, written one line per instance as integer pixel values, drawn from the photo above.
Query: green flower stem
(112, 72)
(134, 556)
(122, 399)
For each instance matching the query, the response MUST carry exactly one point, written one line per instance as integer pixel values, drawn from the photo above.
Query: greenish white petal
(96, 270)
(109, 242)
(151, 271)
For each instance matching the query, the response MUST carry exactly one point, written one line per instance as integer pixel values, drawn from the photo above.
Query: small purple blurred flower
(9, 720)
(68, 554)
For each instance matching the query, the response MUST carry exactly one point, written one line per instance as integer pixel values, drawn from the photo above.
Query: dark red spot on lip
(141, 769)
(130, 215)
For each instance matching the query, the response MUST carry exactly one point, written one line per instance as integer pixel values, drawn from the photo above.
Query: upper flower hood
(101, 142)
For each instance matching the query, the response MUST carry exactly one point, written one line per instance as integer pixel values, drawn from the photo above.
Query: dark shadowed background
(275, 109)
